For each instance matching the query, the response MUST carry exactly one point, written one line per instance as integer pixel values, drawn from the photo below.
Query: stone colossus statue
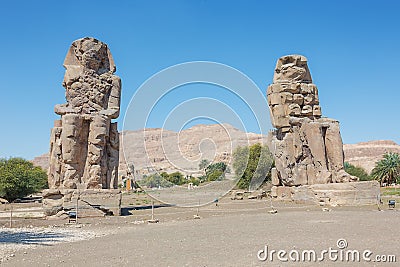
(84, 146)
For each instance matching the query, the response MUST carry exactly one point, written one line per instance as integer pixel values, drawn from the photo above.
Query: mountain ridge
(158, 149)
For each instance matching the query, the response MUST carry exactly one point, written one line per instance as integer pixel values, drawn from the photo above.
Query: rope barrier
(223, 207)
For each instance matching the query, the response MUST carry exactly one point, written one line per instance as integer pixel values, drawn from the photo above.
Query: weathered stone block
(279, 111)
(275, 177)
(307, 110)
(298, 99)
(274, 88)
(309, 99)
(300, 175)
(333, 194)
(305, 89)
(91, 202)
(311, 174)
(353, 193)
(294, 109)
(57, 123)
(317, 111)
(287, 98)
(274, 99)
(293, 88)
(284, 192)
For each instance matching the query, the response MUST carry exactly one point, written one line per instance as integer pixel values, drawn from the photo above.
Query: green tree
(387, 170)
(164, 175)
(219, 166)
(155, 180)
(252, 165)
(176, 178)
(202, 178)
(216, 171)
(357, 171)
(19, 178)
(215, 175)
(240, 160)
(204, 164)
(194, 180)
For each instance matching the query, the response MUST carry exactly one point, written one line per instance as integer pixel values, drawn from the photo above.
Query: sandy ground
(228, 235)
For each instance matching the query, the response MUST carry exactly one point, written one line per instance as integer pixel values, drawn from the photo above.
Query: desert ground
(230, 234)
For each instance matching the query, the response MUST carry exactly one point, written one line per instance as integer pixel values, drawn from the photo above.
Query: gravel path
(15, 239)
(228, 235)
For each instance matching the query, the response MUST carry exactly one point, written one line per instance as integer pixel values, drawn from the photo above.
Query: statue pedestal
(91, 202)
(332, 194)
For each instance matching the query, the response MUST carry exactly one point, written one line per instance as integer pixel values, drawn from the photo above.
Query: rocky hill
(367, 153)
(163, 150)
(156, 149)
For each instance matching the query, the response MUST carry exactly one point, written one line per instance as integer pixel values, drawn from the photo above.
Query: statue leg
(97, 157)
(334, 149)
(54, 176)
(315, 139)
(71, 150)
(113, 157)
(334, 146)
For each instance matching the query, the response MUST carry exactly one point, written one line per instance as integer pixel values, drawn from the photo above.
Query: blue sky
(352, 48)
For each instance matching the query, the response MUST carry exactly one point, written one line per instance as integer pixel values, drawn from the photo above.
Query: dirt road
(229, 235)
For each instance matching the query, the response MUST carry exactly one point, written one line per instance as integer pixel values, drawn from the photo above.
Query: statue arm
(112, 110)
(72, 74)
(62, 109)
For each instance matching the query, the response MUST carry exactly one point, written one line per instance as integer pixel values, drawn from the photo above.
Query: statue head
(292, 69)
(90, 54)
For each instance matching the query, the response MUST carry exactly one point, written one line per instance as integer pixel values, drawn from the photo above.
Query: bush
(19, 178)
(154, 180)
(252, 166)
(215, 175)
(216, 171)
(165, 180)
(203, 164)
(202, 178)
(176, 178)
(219, 166)
(194, 180)
(357, 171)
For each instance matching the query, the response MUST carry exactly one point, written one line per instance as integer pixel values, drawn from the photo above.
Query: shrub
(215, 175)
(252, 165)
(194, 180)
(176, 178)
(19, 178)
(154, 180)
(357, 171)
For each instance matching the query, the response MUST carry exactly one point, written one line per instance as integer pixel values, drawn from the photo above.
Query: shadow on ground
(30, 238)
(125, 211)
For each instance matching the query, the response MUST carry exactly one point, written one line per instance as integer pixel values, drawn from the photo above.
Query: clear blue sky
(352, 47)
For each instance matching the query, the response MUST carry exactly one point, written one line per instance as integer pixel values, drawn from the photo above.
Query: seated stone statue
(85, 143)
(307, 148)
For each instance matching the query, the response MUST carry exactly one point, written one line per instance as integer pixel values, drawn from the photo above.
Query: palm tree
(387, 170)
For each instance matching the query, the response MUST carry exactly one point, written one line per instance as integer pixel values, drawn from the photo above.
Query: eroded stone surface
(308, 149)
(333, 194)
